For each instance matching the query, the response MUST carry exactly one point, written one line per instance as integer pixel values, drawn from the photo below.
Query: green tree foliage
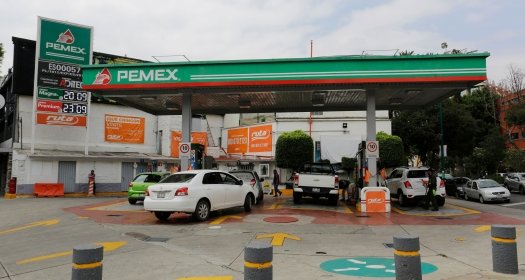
(515, 160)
(1, 55)
(391, 150)
(293, 149)
(348, 164)
(516, 115)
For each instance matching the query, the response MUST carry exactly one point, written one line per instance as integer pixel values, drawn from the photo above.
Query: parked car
(409, 184)
(450, 186)
(315, 180)
(253, 178)
(198, 192)
(139, 184)
(459, 184)
(486, 190)
(515, 182)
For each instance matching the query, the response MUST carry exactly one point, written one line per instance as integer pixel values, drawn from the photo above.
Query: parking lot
(37, 236)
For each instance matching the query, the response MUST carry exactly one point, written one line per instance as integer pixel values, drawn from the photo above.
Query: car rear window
(147, 178)
(417, 174)
(245, 176)
(179, 178)
(318, 168)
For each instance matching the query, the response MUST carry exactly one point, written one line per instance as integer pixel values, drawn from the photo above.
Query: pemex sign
(64, 41)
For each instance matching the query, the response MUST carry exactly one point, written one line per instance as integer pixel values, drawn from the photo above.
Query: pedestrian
(275, 183)
(343, 185)
(431, 191)
(91, 177)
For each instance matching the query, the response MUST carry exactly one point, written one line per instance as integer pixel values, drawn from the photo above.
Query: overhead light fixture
(148, 97)
(245, 104)
(318, 98)
(172, 106)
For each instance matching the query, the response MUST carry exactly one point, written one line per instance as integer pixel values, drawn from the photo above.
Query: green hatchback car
(137, 187)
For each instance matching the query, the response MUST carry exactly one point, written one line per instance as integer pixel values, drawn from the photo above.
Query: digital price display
(74, 108)
(75, 96)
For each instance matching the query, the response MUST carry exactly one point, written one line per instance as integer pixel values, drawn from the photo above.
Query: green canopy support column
(186, 126)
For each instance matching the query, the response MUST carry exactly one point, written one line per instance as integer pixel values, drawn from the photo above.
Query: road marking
(274, 206)
(31, 225)
(224, 218)
(347, 209)
(108, 247)
(482, 228)
(347, 269)
(278, 237)
(207, 278)
(356, 261)
(439, 213)
(513, 204)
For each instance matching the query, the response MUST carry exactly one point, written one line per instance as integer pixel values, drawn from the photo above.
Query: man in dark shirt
(431, 190)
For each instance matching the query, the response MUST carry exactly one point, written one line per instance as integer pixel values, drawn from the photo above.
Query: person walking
(431, 191)
(276, 181)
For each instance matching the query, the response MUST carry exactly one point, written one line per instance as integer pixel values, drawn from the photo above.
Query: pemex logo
(103, 77)
(66, 37)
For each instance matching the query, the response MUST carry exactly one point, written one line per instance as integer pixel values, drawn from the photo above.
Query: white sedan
(198, 192)
(486, 190)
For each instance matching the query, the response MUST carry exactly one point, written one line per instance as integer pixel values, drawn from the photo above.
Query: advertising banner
(238, 141)
(124, 129)
(49, 106)
(65, 42)
(198, 137)
(59, 119)
(260, 138)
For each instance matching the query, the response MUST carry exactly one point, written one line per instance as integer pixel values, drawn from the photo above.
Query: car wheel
(297, 198)
(522, 190)
(466, 196)
(481, 200)
(457, 195)
(440, 201)
(248, 203)
(261, 197)
(162, 216)
(507, 200)
(132, 201)
(202, 210)
(403, 199)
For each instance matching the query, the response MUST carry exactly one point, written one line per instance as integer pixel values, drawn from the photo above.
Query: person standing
(431, 191)
(276, 181)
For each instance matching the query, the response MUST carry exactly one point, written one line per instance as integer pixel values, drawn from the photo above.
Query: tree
(515, 160)
(391, 151)
(293, 149)
(1, 55)
(515, 81)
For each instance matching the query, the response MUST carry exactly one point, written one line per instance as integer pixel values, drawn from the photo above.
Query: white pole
(35, 88)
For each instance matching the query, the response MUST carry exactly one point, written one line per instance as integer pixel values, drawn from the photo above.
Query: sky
(259, 29)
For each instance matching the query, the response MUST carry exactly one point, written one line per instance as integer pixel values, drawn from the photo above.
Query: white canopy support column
(186, 126)
(371, 133)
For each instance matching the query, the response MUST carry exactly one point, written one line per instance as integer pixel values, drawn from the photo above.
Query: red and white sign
(58, 119)
(184, 150)
(372, 149)
(48, 106)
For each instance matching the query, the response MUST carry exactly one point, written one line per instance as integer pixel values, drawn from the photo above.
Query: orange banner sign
(260, 138)
(198, 137)
(58, 119)
(124, 129)
(238, 141)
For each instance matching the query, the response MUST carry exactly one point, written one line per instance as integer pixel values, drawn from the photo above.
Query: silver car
(486, 190)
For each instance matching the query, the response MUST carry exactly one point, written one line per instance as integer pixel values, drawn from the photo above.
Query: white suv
(408, 183)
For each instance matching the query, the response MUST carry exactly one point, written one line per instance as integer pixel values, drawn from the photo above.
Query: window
(179, 178)
(228, 179)
(211, 178)
(264, 169)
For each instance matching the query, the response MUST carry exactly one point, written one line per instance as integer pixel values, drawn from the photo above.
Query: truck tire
(403, 199)
(297, 198)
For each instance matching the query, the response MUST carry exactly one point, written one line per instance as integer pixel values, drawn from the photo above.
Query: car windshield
(179, 178)
(245, 176)
(147, 178)
(318, 168)
(487, 184)
(417, 174)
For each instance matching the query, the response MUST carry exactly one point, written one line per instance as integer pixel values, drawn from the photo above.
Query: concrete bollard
(407, 258)
(258, 257)
(504, 249)
(87, 262)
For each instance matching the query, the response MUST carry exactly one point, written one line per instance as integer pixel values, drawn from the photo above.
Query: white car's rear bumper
(178, 204)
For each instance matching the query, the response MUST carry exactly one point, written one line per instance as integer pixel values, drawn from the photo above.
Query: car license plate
(316, 189)
(161, 195)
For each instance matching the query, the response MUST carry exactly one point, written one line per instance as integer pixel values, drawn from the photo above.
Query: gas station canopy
(336, 83)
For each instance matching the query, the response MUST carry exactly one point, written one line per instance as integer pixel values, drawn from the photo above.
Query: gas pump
(196, 155)
(361, 164)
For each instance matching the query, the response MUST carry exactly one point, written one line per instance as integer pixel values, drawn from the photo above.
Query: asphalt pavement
(318, 241)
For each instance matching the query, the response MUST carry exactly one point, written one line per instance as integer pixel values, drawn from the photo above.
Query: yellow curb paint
(108, 247)
(278, 237)
(31, 225)
(224, 218)
(87, 265)
(258, 265)
(437, 214)
(207, 278)
(460, 239)
(503, 240)
(10, 196)
(482, 228)
(104, 208)
(347, 209)
(406, 253)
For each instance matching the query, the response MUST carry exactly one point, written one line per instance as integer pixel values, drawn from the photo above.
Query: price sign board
(184, 150)
(372, 149)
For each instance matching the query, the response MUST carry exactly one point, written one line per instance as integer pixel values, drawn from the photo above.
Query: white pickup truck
(316, 180)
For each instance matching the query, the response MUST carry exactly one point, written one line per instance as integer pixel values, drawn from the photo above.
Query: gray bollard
(87, 262)
(504, 249)
(407, 258)
(258, 257)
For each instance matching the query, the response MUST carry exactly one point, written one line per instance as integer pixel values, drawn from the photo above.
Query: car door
(214, 189)
(392, 180)
(234, 191)
(474, 191)
(468, 189)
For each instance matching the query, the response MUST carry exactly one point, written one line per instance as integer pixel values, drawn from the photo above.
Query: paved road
(456, 240)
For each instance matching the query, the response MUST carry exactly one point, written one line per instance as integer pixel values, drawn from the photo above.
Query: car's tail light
(252, 182)
(407, 184)
(296, 179)
(336, 182)
(442, 184)
(181, 191)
